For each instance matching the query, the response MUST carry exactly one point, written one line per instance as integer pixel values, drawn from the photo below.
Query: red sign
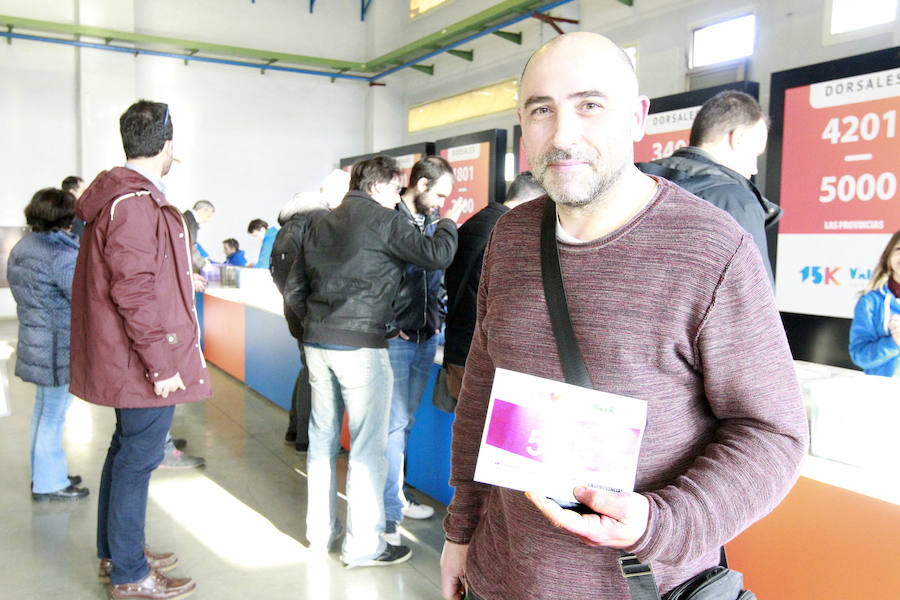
(472, 168)
(839, 157)
(664, 133)
(523, 160)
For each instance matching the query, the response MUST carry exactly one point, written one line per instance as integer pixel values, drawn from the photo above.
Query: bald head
(581, 114)
(608, 57)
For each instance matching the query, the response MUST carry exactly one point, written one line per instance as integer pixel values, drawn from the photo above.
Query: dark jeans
(135, 450)
(301, 401)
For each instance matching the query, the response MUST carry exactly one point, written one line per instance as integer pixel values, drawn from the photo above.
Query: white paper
(549, 437)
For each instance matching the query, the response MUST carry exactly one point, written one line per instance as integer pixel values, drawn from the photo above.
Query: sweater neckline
(650, 205)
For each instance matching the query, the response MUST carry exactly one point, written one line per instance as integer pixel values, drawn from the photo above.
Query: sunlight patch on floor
(224, 524)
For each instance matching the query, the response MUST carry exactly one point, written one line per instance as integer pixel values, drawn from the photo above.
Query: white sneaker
(414, 510)
(391, 535)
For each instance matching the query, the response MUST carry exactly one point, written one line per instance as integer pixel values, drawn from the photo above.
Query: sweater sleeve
(130, 254)
(869, 346)
(464, 510)
(762, 434)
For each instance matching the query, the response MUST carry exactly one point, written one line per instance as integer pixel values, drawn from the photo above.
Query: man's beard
(600, 181)
(421, 207)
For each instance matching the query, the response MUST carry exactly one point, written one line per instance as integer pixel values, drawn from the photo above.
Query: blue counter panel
(198, 299)
(428, 452)
(272, 358)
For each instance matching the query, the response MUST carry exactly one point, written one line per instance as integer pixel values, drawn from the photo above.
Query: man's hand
(453, 567)
(199, 283)
(620, 521)
(455, 211)
(164, 387)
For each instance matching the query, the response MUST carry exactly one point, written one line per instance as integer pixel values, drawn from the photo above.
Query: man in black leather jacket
(419, 310)
(342, 286)
(727, 136)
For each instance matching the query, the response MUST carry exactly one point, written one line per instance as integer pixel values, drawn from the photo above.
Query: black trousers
(301, 402)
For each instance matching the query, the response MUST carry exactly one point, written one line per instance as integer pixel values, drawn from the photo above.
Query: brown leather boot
(155, 586)
(158, 561)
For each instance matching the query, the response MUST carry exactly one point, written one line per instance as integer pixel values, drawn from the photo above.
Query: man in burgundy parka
(135, 341)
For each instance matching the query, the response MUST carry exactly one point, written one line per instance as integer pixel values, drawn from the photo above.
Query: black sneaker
(392, 555)
(290, 437)
(68, 493)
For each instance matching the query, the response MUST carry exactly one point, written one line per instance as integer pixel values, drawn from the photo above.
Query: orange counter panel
(822, 543)
(223, 335)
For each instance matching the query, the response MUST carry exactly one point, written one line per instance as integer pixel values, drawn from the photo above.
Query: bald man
(670, 304)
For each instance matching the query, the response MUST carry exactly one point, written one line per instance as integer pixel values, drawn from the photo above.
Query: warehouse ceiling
(492, 21)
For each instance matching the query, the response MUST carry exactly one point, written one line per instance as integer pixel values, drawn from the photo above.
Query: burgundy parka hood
(110, 184)
(133, 316)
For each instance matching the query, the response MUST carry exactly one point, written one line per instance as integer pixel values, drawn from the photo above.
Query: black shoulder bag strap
(638, 575)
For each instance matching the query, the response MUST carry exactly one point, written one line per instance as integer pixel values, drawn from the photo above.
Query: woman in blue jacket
(39, 271)
(875, 332)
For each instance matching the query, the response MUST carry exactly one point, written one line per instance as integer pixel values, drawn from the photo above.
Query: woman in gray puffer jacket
(39, 271)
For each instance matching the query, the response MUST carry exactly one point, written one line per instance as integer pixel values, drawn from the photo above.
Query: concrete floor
(237, 525)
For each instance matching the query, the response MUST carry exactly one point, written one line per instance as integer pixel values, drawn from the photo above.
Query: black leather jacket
(352, 261)
(421, 302)
(284, 251)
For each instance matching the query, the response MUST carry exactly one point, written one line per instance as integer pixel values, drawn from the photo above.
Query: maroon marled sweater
(674, 308)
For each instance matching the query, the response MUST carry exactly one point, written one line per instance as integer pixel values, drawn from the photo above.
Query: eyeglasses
(166, 119)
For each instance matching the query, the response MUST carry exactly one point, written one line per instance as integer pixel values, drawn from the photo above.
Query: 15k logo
(818, 275)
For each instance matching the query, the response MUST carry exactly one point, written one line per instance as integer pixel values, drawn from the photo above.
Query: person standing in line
(341, 287)
(419, 308)
(203, 210)
(260, 230)
(201, 213)
(728, 135)
(875, 331)
(724, 439)
(75, 186)
(464, 274)
(295, 219)
(135, 341)
(39, 272)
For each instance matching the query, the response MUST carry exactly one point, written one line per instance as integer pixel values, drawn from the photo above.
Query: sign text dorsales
(664, 133)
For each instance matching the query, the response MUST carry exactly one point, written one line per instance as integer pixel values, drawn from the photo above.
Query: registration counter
(835, 536)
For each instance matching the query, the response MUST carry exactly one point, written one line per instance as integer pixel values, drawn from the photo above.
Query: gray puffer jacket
(39, 271)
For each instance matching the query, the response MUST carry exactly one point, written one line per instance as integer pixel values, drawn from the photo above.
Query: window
(850, 15)
(418, 7)
(725, 41)
(484, 101)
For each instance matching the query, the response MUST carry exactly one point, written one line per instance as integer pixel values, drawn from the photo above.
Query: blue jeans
(359, 380)
(411, 363)
(135, 450)
(49, 471)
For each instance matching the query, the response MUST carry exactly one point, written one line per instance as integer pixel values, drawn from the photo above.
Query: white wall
(247, 140)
